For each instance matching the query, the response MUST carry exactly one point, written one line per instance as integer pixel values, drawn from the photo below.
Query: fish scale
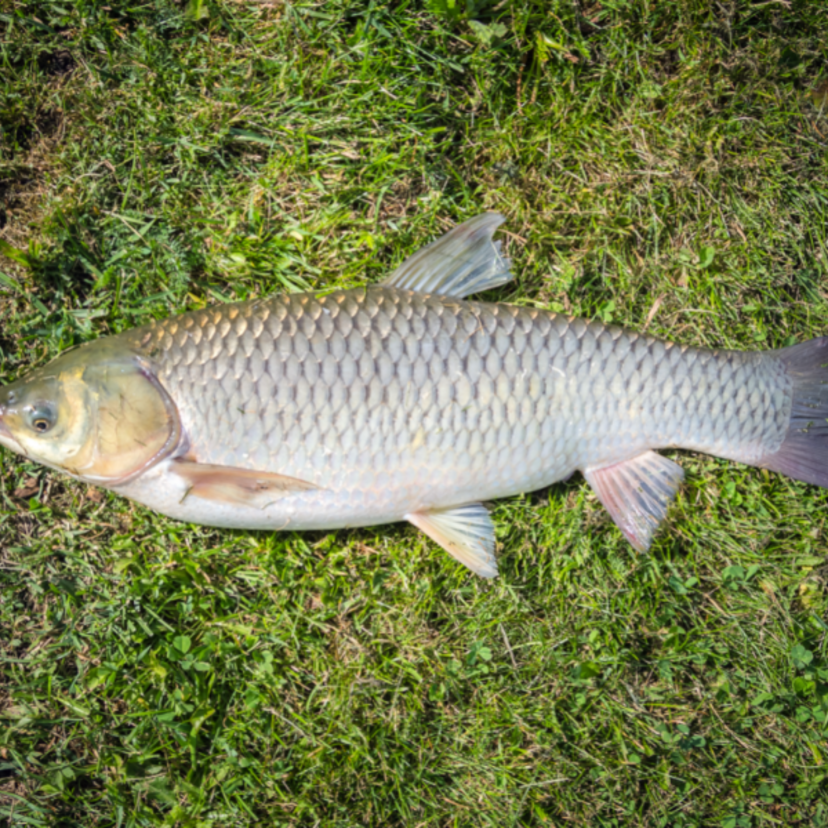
(401, 401)
(406, 401)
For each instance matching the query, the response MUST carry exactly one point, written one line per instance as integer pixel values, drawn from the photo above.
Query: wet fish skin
(405, 401)
(393, 401)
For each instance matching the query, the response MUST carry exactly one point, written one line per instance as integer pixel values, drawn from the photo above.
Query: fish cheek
(136, 424)
(72, 437)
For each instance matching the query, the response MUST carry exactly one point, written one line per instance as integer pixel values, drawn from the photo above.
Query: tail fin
(803, 454)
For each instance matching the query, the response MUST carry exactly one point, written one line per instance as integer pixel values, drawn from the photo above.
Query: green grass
(661, 164)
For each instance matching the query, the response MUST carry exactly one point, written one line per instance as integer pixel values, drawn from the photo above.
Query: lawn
(663, 165)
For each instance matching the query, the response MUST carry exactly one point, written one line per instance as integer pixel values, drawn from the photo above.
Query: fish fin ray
(463, 261)
(636, 493)
(239, 487)
(803, 454)
(465, 532)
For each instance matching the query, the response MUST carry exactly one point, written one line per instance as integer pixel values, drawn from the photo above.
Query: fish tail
(803, 454)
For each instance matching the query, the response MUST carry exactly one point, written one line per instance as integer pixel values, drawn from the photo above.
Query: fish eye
(42, 417)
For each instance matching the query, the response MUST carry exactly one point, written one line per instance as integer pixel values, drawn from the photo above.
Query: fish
(407, 401)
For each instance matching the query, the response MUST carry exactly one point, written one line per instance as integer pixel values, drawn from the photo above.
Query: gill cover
(97, 412)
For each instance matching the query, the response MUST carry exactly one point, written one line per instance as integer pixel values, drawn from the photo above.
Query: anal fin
(636, 493)
(465, 532)
(240, 487)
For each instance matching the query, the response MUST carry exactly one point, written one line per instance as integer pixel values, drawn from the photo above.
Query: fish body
(392, 402)
(404, 401)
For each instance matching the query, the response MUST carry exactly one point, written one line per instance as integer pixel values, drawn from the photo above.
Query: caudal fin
(804, 451)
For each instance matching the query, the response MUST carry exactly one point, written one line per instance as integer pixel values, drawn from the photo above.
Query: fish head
(97, 412)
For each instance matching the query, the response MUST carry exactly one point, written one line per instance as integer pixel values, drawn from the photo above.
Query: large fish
(403, 401)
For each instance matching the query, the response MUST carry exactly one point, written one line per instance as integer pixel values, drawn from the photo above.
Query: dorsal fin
(462, 262)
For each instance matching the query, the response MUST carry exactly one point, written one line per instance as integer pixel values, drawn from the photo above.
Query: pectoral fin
(465, 532)
(636, 493)
(240, 487)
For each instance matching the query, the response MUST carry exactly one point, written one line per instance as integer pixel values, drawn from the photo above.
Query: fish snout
(7, 438)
